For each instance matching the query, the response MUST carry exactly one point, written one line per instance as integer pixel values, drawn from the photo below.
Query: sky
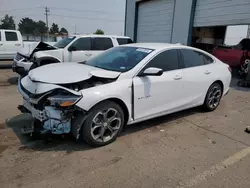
(83, 15)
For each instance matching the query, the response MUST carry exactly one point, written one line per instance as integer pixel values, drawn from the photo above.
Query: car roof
(93, 35)
(154, 46)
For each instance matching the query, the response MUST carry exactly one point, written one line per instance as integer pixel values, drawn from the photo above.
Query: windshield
(119, 59)
(64, 42)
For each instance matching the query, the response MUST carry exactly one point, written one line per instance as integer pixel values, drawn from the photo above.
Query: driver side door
(79, 51)
(154, 95)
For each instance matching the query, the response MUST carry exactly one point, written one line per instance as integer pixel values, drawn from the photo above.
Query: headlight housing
(63, 100)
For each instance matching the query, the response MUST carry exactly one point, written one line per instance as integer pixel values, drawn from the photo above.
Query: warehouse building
(184, 21)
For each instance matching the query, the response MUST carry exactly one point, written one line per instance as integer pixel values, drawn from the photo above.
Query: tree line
(29, 26)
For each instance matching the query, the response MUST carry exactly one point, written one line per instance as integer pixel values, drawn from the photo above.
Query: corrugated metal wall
(155, 21)
(221, 12)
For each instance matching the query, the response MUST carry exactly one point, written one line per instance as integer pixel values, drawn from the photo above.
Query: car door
(100, 44)
(230, 56)
(2, 50)
(197, 76)
(159, 94)
(79, 51)
(12, 44)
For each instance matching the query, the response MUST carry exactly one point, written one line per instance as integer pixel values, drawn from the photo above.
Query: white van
(10, 43)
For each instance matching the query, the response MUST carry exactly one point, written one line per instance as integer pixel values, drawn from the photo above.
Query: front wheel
(213, 97)
(103, 124)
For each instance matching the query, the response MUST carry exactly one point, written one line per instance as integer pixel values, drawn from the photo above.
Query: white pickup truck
(10, 43)
(77, 48)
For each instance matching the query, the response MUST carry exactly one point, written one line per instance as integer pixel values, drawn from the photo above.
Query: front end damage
(53, 110)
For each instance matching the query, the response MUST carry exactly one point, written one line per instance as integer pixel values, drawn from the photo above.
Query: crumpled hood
(65, 73)
(30, 49)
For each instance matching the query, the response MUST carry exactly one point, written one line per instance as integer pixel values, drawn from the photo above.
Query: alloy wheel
(105, 125)
(214, 97)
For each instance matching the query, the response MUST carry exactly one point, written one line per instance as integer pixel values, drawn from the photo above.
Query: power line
(87, 18)
(82, 10)
(23, 9)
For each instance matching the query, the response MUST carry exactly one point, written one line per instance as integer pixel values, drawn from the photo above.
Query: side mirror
(72, 48)
(152, 71)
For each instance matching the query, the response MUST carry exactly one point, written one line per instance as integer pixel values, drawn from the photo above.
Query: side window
(207, 59)
(11, 36)
(101, 43)
(192, 58)
(82, 44)
(122, 41)
(167, 61)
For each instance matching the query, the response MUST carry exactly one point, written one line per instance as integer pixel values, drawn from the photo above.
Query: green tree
(7, 23)
(54, 28)
(63, 31)
(99, 32)
(41, 27)
(27, 26)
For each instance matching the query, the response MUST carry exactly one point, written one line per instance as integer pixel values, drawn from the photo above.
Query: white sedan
(124, 85)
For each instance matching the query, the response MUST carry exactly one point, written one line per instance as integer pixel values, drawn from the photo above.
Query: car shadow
(68, 143)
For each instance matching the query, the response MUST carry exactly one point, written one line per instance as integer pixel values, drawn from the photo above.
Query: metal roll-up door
(155, 20)
(221, 12)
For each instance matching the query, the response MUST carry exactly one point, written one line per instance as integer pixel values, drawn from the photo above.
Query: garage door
(155, 20)
(221, 12)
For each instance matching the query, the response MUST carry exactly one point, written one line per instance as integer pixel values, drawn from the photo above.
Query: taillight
(248, 53)
(230, 69)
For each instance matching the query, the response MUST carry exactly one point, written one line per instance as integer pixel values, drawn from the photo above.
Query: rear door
(198, 75)
(12, 44)
(159, 94)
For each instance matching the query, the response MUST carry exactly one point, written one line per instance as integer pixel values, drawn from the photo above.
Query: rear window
(122, 41)
(11, 36)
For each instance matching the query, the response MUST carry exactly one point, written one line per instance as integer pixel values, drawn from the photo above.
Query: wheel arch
(220, 83)
(118, 101)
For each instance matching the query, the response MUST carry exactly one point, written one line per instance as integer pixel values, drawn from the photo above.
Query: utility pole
(75, 29)
(47, 22)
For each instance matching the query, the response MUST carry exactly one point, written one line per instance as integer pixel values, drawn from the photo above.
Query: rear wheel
(213, 97)
(103, 124)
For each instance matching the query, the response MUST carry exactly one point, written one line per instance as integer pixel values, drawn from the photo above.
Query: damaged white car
(69, 49)
(94, 100)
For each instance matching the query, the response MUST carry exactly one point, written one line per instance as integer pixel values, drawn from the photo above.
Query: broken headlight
(63, 100)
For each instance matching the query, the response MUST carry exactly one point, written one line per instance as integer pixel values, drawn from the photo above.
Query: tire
(213, 97)
(97, 128)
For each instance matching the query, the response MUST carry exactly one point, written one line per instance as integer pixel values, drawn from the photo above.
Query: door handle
(177, 77)
(17, 44)
(207, 72)
(1, 44)
(88, 54)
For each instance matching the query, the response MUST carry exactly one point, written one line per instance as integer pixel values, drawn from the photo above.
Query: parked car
(124, 85)
(10, 43)
(236, 55)
(69, 49)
